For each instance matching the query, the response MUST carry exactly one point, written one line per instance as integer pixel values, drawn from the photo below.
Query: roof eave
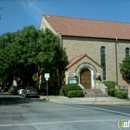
(94, 37)
(85, 55)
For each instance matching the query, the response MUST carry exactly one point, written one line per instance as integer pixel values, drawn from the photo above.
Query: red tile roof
(89, 28)
(78, 58)
(74, 60)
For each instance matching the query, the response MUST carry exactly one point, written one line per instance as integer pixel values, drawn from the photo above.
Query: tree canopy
(125, 71)
(29, 51)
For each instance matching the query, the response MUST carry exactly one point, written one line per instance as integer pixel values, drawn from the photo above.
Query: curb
(47, 99)
(111, 103)
(51, 100)
(92, 102)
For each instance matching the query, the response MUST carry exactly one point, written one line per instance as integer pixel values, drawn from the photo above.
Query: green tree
(29, 51)
(125, 71)
(5, 61)
(52, 57)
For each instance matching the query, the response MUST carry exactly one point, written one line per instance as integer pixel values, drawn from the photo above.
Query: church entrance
(85, 78)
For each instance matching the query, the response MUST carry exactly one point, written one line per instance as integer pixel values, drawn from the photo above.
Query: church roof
(75, 60)
(78, 58)
(89, 28)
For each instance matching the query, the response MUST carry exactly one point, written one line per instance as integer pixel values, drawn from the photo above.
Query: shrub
(110, 84)
(121, 94)
(68, 87)
(111, 87)
(112, 92)
(76, 93)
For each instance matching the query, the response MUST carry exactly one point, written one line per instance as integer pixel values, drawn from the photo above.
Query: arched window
(127, 52)
(103, 61)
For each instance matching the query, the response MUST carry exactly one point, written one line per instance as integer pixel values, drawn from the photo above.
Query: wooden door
(85, 78)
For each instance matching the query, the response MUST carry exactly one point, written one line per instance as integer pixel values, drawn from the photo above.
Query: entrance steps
(94, 92)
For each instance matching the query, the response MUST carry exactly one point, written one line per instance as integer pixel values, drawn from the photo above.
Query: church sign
(72, 80)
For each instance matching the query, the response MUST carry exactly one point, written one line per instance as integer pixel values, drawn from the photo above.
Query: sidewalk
(86, 100)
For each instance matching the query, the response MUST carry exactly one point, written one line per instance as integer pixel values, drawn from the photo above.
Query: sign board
(47, 75)
(35, 77)
(72, 80)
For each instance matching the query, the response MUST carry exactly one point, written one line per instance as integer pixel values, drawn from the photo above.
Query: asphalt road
(17, 113)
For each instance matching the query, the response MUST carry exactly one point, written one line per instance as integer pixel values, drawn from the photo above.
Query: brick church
(94, 48)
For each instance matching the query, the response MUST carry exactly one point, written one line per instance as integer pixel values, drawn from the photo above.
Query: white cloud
(32, 9)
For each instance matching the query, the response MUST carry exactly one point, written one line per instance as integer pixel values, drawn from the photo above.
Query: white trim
(92, 73)
(81, 86)
(92, 80)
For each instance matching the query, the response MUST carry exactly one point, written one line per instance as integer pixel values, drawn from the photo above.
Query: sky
(16, 14)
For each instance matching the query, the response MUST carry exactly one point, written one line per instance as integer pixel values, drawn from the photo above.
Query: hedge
(76, 93)
(68, 87)
(121, 94)
(112, 92)
(111, 87)
(110, 84)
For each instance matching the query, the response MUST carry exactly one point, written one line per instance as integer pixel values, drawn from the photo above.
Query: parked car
(20, 90)
(14, 89)
(29, 91)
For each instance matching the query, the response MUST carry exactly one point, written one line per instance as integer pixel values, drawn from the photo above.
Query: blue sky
(19, 13)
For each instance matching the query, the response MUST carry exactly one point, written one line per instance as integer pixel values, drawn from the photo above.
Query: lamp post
(75, 75)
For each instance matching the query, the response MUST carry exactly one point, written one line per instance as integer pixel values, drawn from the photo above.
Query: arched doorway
(85, 78)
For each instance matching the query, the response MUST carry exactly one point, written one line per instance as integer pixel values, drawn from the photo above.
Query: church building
(94, 48)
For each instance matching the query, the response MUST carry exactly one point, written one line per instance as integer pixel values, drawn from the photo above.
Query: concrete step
(93, 93)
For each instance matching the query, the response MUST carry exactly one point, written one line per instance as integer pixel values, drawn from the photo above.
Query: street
(17, 113)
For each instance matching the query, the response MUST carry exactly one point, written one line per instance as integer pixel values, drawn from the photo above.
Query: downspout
(61, 42)
(60, 73)
(116, 60)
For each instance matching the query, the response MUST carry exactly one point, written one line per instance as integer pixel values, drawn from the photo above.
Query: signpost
(47, 76)
(35, 77)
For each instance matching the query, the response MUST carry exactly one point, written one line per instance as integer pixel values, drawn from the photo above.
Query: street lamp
(74, 74)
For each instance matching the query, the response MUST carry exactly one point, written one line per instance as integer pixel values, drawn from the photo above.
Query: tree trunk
(39, 81)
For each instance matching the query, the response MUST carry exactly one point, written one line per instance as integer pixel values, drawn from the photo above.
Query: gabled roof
(89, 28)
(78, 58)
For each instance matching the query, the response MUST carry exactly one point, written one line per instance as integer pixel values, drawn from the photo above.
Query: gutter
(116, 60)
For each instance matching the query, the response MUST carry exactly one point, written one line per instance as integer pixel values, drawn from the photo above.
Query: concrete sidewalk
(86, 100)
